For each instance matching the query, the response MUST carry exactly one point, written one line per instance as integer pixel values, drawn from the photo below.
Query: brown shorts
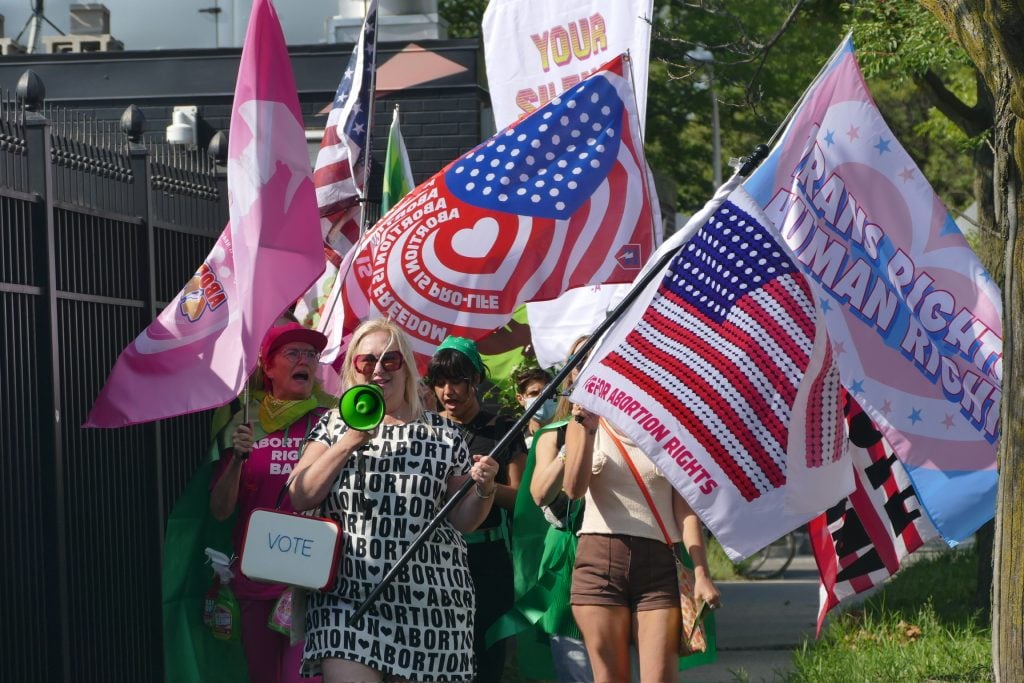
(627, 571)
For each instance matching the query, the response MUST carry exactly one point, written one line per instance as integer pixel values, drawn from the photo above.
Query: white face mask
(545, 412)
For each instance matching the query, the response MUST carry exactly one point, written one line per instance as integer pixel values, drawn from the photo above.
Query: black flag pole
(749, 164)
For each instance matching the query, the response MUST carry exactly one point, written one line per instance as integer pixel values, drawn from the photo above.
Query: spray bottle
(220, 608)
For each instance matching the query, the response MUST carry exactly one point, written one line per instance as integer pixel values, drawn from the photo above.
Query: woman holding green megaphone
(383, 480)
(362, 407)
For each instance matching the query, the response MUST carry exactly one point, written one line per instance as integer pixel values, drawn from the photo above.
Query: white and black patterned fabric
(422, 625)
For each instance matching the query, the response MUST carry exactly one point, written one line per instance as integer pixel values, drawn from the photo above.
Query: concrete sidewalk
(760, 624)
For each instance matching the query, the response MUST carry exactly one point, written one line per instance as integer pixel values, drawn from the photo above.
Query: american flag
(558, 200)
(345, 148)
(734, 311)
(724, 377)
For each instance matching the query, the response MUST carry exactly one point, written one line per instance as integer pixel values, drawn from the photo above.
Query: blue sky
(151, 24)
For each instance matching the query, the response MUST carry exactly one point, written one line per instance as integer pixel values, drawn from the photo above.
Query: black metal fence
(99, 228)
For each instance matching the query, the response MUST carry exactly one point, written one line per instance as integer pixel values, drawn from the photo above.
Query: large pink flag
(200, 350)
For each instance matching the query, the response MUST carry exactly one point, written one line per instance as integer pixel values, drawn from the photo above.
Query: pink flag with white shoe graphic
(200, 350)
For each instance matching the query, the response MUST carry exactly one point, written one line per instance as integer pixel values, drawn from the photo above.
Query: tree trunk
(992, 34)
(1008, 546)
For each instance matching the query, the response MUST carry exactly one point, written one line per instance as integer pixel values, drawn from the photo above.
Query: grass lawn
(922, 626)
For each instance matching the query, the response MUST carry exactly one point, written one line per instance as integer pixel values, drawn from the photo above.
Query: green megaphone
(362, 407)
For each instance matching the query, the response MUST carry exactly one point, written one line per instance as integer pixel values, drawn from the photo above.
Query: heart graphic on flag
(478, 241)
(482, 248)
(541, 207)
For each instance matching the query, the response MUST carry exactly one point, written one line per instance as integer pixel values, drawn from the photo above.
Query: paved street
(760, 623)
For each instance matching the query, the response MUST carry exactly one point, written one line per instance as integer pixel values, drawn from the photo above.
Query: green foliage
(922, 626)
(754, 95)
(898, 42)
(722, 568)
(503, 393)
(463, 16)
(900, 39)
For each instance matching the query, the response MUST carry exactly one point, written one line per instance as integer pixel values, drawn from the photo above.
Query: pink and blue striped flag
(914, 318)
(202, 347)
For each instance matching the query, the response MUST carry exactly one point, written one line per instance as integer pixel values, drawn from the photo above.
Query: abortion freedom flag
(557, 200)
(722, 372)
(200, 350)
(914, 317)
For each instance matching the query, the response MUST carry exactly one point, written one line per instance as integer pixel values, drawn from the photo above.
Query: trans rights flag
(202, 347)
(722, 373)
(557, 200)
(914, 317)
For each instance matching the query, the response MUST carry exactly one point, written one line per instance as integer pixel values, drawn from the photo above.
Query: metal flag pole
(751, 162)
(368, 151)
(367, 162)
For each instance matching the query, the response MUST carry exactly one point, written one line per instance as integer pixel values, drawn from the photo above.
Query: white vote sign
(283, 547)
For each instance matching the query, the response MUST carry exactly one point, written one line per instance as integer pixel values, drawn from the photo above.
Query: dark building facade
(439, 85)
(97, 233)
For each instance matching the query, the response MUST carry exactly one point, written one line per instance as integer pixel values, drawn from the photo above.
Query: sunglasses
(366, 362)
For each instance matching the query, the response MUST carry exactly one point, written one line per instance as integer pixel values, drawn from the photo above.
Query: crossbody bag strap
(309, 427)
(639, 479)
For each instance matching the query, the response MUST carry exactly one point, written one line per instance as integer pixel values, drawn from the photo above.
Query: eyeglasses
(365, 362)
(295, 355)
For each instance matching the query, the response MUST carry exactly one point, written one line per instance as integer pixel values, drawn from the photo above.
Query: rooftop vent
(90, 31)
(90, 19)
(399, 20)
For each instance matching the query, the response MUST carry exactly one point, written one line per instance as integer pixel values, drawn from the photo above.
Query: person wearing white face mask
(529, 384)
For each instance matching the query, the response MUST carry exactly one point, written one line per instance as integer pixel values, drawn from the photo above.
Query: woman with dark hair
(384, 487)
(456, 372)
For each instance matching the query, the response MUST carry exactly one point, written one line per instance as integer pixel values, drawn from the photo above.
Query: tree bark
(993, 36)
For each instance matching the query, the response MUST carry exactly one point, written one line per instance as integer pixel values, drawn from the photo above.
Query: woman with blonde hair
(383, 487)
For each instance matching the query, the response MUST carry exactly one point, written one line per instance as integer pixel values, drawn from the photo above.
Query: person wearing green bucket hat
(455, 372)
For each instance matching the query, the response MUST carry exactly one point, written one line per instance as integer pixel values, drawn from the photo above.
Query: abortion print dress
(421, 625)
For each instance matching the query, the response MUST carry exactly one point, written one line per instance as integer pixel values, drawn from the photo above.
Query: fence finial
(133, 121)
(218, 147)
(31, 90)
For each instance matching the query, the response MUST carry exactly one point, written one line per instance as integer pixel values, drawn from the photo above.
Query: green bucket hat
(467, 347)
